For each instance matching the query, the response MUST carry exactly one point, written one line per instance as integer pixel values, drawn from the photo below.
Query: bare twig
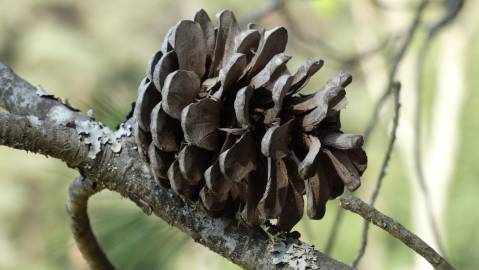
(382, 172)
(397, 6)
(303, 40)
(262, 12)
(332, 235)
(452, 9)
(370, 214)
(348, 61)
(339, 214)
(79, 192)
(394, 67)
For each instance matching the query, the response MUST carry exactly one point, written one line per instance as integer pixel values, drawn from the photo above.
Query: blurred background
(94, 53)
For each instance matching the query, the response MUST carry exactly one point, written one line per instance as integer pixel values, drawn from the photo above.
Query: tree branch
(395, 66)
(125, 173)
(44, 137)
(262, 12)
(302, 39)
(451, 11)
(79, 192)
(333, 232)
(399, 55)
(382, 171)
(20, 97)
(397, 230)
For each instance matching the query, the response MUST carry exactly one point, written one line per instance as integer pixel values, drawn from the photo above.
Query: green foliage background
(94, 52)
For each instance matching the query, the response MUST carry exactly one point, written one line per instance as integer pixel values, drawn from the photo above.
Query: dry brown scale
(219, 120)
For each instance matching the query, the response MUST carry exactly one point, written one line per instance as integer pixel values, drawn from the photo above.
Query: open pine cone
(218, 119)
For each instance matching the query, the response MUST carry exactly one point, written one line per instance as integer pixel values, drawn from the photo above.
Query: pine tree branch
(258, 14)
(382, 171)
(44, 137)
(79, 192)
(452, 9)
(398, 57)
(32, 126)
(20, 97)
(373, 120)
(397, 230)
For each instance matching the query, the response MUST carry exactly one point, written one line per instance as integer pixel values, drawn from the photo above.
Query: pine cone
(218, 119)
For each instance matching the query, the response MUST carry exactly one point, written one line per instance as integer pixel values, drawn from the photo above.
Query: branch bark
(262, 12)
(382, 171)
(397, 230)
(40, 124)
(79, 192)
(451, 11)
(398, 57)
(20, 97)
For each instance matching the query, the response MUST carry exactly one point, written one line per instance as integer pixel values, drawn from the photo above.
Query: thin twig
(452, 9)
(394, 68)
(262, 12)
(383, 171)
(370, 214)
(398, 6)
(334, 231)
(350, 61)
(79, 192)
(302, 40)
(307, 229)
(392, 74)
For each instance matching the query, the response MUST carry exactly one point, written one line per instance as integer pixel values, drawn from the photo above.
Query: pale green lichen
(34, 121)
(296, 255)
(95, 135)
(90, 114)
(215, 229)
(60, 114)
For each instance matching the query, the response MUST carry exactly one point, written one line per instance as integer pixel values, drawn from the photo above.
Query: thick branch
(79, 192)
(20, 97)
(43, 137)
(125, 173)
(395, 229)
